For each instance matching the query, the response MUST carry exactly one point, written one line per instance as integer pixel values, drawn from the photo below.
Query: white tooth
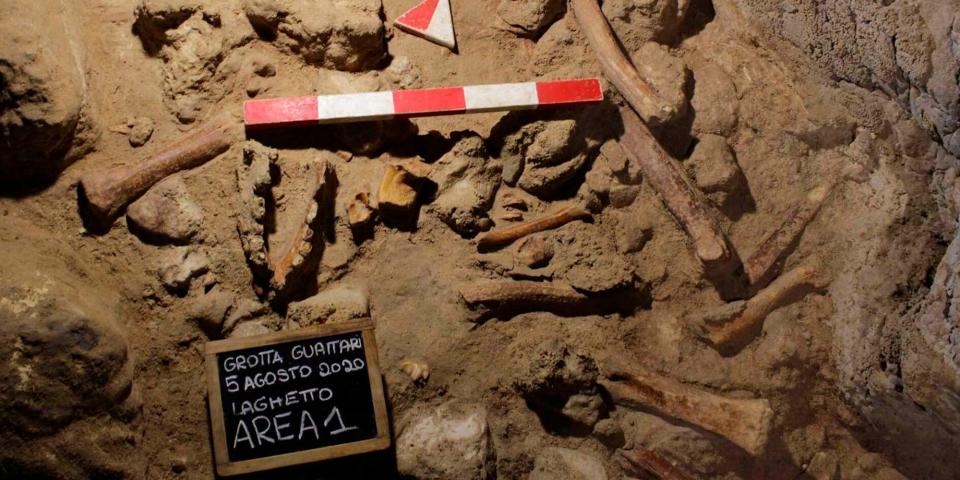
(297, 260)
(308, 234)
(305, 248)
(312, 213)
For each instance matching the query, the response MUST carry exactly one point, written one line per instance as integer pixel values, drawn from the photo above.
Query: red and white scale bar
(359, 107)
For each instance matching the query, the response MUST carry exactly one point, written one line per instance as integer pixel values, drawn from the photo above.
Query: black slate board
(295, 397)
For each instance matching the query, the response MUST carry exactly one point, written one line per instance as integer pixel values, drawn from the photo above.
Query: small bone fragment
(360, 213)
(302, 243)
(506, 236)
(417, 370)
(687, 204)
(397, 195)
(643, 463)
(767, 260)
(416, 168)
(104, 194)
(617, 67)
(746, 322)
(745, 422)
(506, 294)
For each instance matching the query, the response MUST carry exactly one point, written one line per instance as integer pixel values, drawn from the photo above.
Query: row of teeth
(252, 236)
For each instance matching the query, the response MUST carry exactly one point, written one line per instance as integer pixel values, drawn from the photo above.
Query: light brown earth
(102, 333)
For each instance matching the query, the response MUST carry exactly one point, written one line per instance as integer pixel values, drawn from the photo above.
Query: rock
(583, 409)
(250, 328)
(45, 121)
(588, 260)
(211, 309)
(514, 202)
(637, 23)
(166, 213)
(467, 183)
(181, 265)
(632, 231)
(823, 466)
(197, 42)
(551, 152)
(403, 73)
(529, 18)
(715, 170)
(450, 441)
(141, 129)
(609, 433)
(67, 374)
(667, 74)
(564, 464)
(534, 251)
(623, 195)
(550, 374)
(341, 35)
(715, 100)
(337, 304)
(245, 309)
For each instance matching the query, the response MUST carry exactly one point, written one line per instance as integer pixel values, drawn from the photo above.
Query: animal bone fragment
(534, 252)
(504, 293)
(302, 243)
(687, 204)
(506, 236)
(767, 260)
(360, 213)
(617, 67)
(643, 463)
(104, 194)
(743, 320)
(397, 197)
(417, 370)
(276, 272)
(745, 422)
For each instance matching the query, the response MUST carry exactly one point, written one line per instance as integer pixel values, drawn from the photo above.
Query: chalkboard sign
(295, 397)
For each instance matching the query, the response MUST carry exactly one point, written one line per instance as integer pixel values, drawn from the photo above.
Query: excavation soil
(103, 332)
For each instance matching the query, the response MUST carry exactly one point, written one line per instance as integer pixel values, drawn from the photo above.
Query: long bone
(649, 464)
(618, 68)
(103, 195)
(745, 422)
(687, 203)
(739, 322)
(556, 219)
(767, 260)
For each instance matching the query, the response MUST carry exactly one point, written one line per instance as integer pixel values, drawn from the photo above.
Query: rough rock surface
(180, 266)
(197, 43)
(66, 379)
(714, 169)
(450, 441)
(529, 17)
(166, 213)
(338, 304)
(546, 153)
(637, 23)
(343, 35)
(45, 119)
(467, 181)
(566, 464)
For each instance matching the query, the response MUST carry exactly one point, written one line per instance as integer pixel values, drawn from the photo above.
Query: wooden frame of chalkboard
(226, 467)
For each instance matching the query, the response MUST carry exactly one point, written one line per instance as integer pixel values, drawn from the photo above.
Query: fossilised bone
(767, 260)
(744, 319)
(641, 461)
(617, 67)
(506, 236)
(417, 370)
(505, 293)
(744, 422)
(104, 194)
(254, 180)
(684, 201)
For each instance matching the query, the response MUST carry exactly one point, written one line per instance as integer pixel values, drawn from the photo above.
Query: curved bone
(618, 68)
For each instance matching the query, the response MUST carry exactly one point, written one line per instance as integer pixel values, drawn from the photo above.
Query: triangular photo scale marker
(432, 20)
